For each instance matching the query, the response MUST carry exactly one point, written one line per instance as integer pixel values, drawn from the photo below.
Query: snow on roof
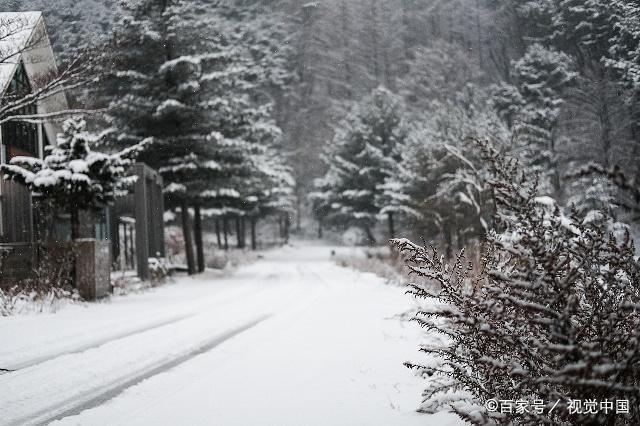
(16, 36)
(24, 39)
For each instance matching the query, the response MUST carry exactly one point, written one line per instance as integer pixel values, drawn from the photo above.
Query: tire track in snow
(68, 385)
(76, 406)
(15, 369)
(96, 343)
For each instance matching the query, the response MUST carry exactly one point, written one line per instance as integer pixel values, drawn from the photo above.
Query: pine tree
(270, 192)
(439, 186)
(533, 108)
(362, 154)
(584, 28)
(625, 60)
(199, 100)
(435, 74)
(625, 47)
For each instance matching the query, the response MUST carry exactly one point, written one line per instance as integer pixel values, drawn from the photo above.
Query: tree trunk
(243, 227)
(218, 233)
(188, 243)
(370, 237)
(448, 241)
(254, 242)
(225, 231)
(197, 229)
(298, 216)
(320, 229)
(287, 225)
(392, 230)
(238, 232)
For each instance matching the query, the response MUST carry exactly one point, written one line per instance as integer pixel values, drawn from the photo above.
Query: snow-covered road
(290, 340)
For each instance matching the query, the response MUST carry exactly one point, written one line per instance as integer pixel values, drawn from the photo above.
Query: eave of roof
(16, 33)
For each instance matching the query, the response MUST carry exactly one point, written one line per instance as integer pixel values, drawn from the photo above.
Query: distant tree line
(554, 84)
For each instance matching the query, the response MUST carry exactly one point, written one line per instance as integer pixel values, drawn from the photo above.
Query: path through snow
(291, 340)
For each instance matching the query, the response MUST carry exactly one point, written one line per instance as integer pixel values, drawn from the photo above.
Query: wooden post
(156, 215)
(125, 255)
(114, 234)
(160, 183)
(197, 229)
(92, 267)
(186, 231)
(132, 247)
(142, 222)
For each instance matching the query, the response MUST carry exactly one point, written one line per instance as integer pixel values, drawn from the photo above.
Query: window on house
(20, 138)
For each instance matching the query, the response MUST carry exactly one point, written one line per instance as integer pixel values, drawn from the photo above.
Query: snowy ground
(290, 340)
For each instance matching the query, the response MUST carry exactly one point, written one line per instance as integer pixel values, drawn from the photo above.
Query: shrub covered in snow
(159, 270)
(552, 316)
(72, 176)
(47, 287)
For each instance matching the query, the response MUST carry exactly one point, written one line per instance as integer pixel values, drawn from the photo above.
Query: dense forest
(395, 88)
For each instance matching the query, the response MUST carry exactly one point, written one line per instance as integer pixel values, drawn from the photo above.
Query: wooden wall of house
(17, 255)
(17, 213)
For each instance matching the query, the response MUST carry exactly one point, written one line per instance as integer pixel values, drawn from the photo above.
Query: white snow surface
(293, 339)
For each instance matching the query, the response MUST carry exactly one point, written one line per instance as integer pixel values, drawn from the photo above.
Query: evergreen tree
(625, 47)
(200, 100)
(363, 153)
(584, 28)
(440, 187)
(533, 105)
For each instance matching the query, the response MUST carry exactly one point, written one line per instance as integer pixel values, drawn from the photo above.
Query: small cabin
(134, 225)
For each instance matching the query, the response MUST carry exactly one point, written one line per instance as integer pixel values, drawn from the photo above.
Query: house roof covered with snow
(18, 37)
(24, 40)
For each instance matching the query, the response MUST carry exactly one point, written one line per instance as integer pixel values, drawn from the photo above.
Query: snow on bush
(46, 289)
(159, 270)
(73, 177)
(551, 317)
(20, 299)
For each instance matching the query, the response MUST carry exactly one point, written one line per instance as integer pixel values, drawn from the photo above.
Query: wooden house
(27, 63)
(133, 225)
